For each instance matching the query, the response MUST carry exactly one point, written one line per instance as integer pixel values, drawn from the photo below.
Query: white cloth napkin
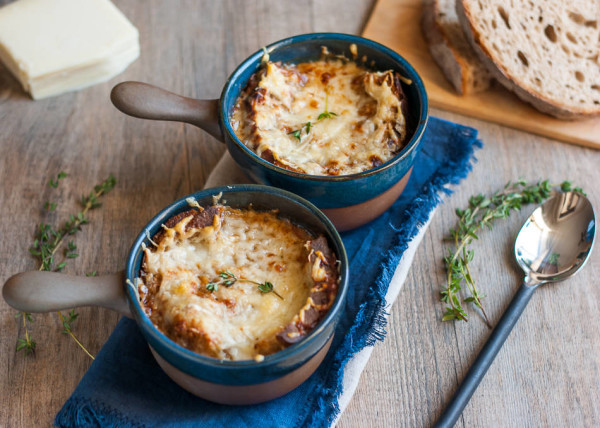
(227, 172)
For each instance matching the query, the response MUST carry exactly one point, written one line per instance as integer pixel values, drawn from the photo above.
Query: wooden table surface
(548, 372)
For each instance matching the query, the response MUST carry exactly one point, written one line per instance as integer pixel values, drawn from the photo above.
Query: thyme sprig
(47, 242)
(326, 114)
(482, 212)
(308, 125)
(227, 278)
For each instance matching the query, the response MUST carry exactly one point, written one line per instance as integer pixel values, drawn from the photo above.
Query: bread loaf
(451, 50)
(544, 51)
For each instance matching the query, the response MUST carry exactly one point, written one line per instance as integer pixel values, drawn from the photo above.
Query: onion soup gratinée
(236, 284)
(328, 117)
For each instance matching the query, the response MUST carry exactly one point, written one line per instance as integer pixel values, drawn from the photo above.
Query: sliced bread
(544, 51)
(450, 49)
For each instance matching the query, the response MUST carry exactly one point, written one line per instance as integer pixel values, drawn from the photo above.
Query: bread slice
(451, 50)
(544, 51)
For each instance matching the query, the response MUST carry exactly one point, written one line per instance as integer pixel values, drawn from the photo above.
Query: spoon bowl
(555, 241)
(553, 244)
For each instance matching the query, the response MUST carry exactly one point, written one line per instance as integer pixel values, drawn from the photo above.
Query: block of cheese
(56, 46)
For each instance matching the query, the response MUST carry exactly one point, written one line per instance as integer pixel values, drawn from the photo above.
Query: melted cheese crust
(367, 130)
(235, 322)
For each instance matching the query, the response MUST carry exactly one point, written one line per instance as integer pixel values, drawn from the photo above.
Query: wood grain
(547, 373)
(397, 24)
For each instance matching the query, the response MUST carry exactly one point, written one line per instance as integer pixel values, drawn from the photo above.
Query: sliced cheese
(55, 46)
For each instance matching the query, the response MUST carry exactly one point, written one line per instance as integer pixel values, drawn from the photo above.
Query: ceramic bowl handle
(50, 291)
(145, 101)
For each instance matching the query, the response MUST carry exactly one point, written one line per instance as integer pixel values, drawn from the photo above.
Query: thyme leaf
(54, 183)
(267, 287)
(26, 345)
(296, 134)
(326, 115)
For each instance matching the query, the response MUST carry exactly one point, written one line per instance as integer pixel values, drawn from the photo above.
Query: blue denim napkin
(125, 387)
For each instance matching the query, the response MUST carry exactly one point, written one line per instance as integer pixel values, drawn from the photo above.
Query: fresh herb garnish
(46, 243)
(297, 134)
(326, 115)
(228, 279)
(265, 287)
(484, 211)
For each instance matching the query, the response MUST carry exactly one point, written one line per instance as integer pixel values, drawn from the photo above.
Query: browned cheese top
(328, 117)
(205, 282)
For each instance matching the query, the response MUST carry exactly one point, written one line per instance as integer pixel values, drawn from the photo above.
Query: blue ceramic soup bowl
(222, 381)
(348, 200)
(277, 373)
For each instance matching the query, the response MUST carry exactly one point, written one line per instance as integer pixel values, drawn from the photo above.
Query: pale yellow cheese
(366, 129)
(55, 46)
(230, 321)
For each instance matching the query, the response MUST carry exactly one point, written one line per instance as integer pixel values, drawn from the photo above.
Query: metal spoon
(553, 244)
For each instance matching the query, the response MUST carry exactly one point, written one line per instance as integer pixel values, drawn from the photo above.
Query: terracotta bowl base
(243, 394)
(353, 216)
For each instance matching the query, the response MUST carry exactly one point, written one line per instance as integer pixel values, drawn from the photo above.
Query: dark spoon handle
(486, 357)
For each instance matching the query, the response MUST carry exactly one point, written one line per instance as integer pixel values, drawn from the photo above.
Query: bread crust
(524, 91)
(465, 76)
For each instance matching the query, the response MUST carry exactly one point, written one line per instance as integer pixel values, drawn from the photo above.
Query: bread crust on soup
(205, 282)
(328, 117)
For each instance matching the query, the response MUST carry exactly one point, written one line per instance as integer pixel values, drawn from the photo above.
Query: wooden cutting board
(397, 24)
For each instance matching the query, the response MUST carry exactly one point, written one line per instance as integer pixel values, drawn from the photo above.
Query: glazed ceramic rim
(269, 360)
(359, 41)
